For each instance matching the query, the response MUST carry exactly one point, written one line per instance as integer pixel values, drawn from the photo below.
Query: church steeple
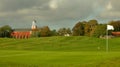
(34, 26)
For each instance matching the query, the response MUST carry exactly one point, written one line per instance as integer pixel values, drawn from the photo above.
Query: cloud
(112, 11)
(115, 4)
(61, 12)
(15, 5)
(49, 9)
(109, 6)
(53, 4)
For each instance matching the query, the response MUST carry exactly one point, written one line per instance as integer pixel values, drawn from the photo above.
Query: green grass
(53, 44)
(60, 44)
(59, 52)
(58, 59)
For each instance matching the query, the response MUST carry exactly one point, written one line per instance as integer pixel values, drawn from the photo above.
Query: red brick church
(24, 33)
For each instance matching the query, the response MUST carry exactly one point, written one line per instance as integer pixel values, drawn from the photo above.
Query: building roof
(22, 29)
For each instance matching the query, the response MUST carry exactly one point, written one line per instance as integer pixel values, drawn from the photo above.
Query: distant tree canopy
(84, 28)
(45, 31)
(90, 27)
(35, 34)
(116, 25)
(63, 31)
(100, 30)
(41, 32)
(78, 29)
(5, 31)
(54, 33)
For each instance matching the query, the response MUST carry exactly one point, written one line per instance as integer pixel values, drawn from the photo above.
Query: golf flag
(110, 27)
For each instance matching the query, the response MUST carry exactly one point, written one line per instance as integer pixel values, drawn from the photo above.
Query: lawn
(59, 52)
(58, 59)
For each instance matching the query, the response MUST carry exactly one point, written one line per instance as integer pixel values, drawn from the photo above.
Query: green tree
(41, 32)
(63, 31)
(45, 31)
(35, 34)
(100, 30)
(54, 33)
(87, 29)
(5, 31)
(115, 24)
(68, 31)
(78, 29)
(90, 27)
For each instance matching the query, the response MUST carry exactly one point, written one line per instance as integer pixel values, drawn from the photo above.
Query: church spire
(34, 26)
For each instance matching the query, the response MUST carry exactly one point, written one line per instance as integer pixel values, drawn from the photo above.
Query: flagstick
(107, 46)
(109, 27)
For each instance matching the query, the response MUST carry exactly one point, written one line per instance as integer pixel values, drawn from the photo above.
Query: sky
(56, 13)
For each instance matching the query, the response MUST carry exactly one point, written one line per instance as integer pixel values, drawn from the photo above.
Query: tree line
(82, 28)
(5, 31)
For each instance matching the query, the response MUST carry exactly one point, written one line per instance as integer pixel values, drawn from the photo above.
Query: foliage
(78, 29)
(85, 28)
(90, 27)
(54, 33)
(63, 31)
(35, 34)
(116, 25)
(5, 31)
(100, 30)
(45, 31)
(41, 32)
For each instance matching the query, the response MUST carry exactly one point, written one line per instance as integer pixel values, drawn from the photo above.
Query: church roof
(22, 29)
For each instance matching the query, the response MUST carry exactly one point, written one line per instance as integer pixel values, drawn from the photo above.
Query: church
(24, 33)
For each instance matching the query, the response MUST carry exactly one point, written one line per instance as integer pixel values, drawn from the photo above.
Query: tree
(68, 31)
(115, 24)
(90, 27)
(54, 33)
(45, 31)
(64, 31)
(35, 34)
(100, 30)
(87, 29)
(78, 29)
(5, 31)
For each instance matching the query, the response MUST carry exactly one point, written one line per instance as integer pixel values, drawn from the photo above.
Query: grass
(58, 59)
(59, 52)
(54, 43)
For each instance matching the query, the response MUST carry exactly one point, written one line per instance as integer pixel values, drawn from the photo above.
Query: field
(59, 52)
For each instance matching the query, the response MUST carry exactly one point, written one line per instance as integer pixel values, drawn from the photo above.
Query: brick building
(24, 33)
(116, 33)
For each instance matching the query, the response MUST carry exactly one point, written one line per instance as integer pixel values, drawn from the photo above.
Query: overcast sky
(56, 13)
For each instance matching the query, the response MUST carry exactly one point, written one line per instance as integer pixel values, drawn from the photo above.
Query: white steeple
(34, 26)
